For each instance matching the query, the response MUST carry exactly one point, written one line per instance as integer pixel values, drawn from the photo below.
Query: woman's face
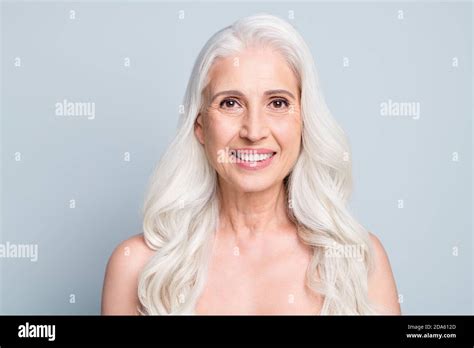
(251, 124)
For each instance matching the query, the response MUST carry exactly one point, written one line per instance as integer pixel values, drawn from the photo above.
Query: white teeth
(253, 157)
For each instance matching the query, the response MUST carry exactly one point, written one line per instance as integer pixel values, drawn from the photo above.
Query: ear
(198, 129)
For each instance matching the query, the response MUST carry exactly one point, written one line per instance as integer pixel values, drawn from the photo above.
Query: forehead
(251, 70)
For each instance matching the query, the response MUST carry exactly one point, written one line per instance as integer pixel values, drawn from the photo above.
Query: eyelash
(286, 102)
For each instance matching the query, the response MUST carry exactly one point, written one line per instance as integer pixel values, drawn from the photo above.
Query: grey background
(67, 158)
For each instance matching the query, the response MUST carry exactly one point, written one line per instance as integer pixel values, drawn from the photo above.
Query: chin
(253, 184)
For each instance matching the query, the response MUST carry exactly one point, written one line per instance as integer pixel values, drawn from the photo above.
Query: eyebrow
(240, 94)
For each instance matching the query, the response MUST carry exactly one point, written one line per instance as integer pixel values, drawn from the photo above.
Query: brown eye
(280, 103)
(228, 103)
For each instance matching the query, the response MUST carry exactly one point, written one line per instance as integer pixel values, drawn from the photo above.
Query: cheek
(288, 134)
(219, 133)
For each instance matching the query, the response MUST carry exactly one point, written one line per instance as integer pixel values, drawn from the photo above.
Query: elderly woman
(246, 212)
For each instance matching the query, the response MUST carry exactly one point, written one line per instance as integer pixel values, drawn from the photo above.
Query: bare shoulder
(120, 290)
(382, 288)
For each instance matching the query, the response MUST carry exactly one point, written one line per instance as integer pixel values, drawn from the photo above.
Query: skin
(258, 264)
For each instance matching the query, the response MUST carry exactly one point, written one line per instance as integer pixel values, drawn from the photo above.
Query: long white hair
(181, 208)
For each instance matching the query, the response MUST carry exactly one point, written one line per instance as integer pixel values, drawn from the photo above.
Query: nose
(254, 126)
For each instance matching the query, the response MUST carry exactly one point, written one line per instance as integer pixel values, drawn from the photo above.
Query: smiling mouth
(245, 156)
(252, 155)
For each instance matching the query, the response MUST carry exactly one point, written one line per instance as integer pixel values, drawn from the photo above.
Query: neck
(253, 214)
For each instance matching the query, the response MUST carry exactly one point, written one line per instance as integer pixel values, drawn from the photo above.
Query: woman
(247, 210)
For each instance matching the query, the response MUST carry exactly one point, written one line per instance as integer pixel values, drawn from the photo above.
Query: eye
(228, 103)
(280, 103)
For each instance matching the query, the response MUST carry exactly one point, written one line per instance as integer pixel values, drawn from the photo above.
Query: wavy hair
(180, 213)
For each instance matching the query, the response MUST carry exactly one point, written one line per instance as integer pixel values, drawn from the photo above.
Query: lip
(254, 151)
(256, 165)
